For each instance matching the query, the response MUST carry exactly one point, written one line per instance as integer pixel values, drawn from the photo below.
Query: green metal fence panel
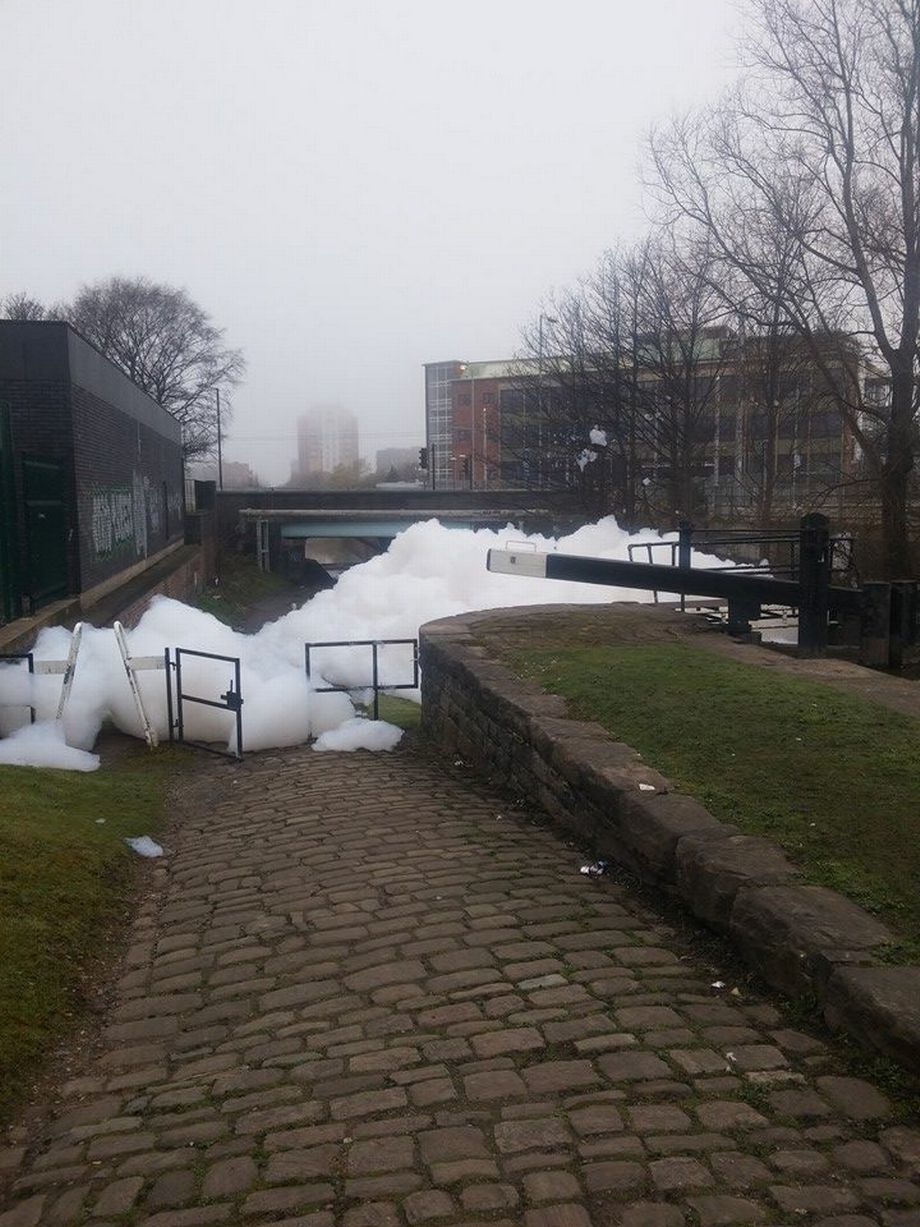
(9, 570)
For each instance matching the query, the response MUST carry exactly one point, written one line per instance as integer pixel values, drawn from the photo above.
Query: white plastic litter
(646, 787)
(43, 745)
(360, 734)
(595, 870)
(598, 437)
(143, 845)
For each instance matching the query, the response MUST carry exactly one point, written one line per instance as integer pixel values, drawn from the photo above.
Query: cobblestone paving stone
(365, 994)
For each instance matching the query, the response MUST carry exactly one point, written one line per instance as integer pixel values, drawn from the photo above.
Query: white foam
(43, 745)
(429, 571)
(360, 734)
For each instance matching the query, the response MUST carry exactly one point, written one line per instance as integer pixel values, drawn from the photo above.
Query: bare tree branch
(167, 344)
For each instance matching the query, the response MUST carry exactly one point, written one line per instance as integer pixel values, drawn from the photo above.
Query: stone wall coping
(802, 939)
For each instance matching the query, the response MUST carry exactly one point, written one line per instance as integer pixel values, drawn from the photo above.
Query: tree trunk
(895, 476)
(895, 546)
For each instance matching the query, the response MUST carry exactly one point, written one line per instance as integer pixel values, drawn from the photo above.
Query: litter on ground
(143, 845)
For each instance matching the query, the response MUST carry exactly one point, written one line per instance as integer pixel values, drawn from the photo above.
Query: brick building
(91, 475)
(511, 424)
(464, 403)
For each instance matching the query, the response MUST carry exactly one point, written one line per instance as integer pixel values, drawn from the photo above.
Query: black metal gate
(231, 700)
(375, 684)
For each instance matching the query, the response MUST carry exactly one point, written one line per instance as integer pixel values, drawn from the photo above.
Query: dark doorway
(47, 529)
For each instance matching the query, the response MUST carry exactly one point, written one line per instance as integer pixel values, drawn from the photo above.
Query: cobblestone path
(364, 993)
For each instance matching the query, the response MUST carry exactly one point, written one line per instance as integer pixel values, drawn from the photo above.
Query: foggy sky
(351, 188)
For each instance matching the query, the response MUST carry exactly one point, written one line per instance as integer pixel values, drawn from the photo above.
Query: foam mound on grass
(43, 745)
(430, 571)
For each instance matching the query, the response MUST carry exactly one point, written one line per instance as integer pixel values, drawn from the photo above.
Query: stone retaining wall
(193, 572)
(803, 940)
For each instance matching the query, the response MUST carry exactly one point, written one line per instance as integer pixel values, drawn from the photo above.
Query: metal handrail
(374, 645)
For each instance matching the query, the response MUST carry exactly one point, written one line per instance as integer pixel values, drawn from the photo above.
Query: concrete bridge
(288, 530)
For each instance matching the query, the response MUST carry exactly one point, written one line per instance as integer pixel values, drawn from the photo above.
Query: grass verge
(67, 882)
(401, 712)
(241, 586)
(833, 778)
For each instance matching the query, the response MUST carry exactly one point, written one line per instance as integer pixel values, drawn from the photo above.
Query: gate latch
(233, 699)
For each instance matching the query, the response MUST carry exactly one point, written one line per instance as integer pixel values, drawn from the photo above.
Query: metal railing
(375, 684)
(715, 539)
(810, 592)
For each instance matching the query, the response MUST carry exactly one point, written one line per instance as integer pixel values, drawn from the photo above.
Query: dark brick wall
(41, 427)
(121, 452)
(191, 575)
(129, 488)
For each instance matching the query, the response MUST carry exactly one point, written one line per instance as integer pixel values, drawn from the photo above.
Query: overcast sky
(350, 187)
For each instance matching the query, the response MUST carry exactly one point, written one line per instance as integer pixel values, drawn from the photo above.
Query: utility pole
(220, 457)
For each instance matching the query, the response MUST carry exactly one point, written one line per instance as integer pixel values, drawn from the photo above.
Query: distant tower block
(327, 439)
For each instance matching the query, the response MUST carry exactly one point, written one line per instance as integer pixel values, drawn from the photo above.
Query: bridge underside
(313, 545)
(364, 527)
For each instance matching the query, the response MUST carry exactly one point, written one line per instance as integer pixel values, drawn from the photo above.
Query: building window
(760, 426)
(728, 389)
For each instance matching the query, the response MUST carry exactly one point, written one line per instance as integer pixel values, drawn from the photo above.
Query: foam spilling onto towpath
(430, 571)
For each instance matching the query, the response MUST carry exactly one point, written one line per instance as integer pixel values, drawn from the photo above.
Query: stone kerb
(802, 939)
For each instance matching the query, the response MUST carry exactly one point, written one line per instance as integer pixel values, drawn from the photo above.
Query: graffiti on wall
(123, 516)
(113, 520)
(141, 487)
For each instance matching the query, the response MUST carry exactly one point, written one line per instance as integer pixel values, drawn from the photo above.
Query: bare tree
(566, 389)
(22, 306)
(167, 344)
(823, 146)
(632, 381)
(571, 388)
(683, 345)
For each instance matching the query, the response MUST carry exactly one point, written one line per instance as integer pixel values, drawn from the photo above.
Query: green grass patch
(241, 585)
(401, 712)
(66, 888)
(833, 778)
